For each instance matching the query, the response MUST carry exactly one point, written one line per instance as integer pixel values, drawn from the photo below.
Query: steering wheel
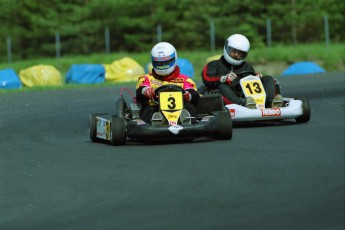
(167, 87)
(246, 72)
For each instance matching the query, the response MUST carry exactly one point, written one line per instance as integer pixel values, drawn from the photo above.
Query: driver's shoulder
(247, 66)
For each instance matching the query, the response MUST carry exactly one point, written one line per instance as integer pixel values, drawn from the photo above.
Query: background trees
(32, 25)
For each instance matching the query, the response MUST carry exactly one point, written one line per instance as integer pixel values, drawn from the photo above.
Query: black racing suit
(232, 93)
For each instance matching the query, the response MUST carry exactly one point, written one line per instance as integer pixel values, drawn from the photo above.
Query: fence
(159, 38)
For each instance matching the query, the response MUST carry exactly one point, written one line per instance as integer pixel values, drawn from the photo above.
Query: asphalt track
(269, 176)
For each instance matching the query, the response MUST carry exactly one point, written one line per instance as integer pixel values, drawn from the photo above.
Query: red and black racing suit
(232, 93)
(154, 80)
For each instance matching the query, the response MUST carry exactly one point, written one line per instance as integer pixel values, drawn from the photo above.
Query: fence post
(9, 49)
(107, 40)
(325, 19)
(57, 44)
(268, 32)
(159, 33)
(212, 36)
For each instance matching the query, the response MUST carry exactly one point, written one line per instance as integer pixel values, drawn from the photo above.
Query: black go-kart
(213, 119)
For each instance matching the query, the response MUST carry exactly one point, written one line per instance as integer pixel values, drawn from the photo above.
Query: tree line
(32, 25)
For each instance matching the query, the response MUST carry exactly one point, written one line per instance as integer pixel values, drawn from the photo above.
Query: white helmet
(164, 58)
(236, 49)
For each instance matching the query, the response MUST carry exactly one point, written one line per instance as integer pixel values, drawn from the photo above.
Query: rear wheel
(277, 86)
(120, 108)
(118, 131)
(305, 117)
(224, 125)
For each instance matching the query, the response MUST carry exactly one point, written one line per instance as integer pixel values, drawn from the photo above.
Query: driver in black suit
(225, 73)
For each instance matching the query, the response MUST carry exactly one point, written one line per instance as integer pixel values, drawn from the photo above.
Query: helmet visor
(235, 53)
(163, 63)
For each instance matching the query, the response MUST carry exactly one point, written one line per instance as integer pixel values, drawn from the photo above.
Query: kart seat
(210, 103)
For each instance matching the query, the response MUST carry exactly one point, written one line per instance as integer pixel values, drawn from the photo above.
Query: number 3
(172, 104)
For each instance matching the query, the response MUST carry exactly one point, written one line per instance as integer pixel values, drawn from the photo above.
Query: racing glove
(259, 75)
(187, 97)
(148, 92)
(230, 77)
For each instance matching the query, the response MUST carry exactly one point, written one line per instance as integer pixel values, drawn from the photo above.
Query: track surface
(269, 176)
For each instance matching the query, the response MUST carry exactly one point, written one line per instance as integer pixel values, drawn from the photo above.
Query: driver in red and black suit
(165, 71)
(225, 73)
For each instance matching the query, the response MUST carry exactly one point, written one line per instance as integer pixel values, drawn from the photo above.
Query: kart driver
(165, 71)
(225, 74)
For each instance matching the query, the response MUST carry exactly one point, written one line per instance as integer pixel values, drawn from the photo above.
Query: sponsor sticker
(178, 80)
(140, 122)
(232, 112)
(175, 129)
(205, 119)
(172, 116)
(103, 128)
(271, 112)
(164, 58)
(163, 67)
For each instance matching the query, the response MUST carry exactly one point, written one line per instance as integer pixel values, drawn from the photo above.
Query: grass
(272, 61)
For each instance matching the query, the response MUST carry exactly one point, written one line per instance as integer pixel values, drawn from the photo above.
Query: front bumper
(137, 129)
(241, 113)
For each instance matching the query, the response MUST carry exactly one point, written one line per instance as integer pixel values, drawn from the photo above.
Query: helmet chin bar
(165, 72)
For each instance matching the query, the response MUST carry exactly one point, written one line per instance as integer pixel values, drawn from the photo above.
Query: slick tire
(305, 117)
(120, 108)
(224, 125)
(93, 126)
(118, 131)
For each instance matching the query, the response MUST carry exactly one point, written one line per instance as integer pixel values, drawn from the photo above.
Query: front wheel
(224, 125)
(305, 117)
(93, 126)
(118, 131)
(120, 108)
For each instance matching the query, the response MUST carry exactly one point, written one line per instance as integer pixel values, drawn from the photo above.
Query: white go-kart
(297, 109)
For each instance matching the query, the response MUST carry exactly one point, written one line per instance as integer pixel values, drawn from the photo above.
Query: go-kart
(251, 85)
(213, 119)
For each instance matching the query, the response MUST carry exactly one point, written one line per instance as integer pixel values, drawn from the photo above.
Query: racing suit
(154, 80)
(232, 93)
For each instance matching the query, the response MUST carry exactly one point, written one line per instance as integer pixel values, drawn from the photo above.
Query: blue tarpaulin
(86, 74)
(186, 67)
(303, 68)
(9, 79)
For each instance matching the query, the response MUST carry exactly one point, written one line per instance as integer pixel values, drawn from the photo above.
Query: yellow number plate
(252, 87)
(169, 101)
(172, 117)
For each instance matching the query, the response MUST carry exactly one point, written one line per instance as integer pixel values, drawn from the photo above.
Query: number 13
(255, 86)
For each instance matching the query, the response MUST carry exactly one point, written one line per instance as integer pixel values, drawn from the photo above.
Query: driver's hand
(148, 92)
(230, 77)
(187, 97)
(259, 75)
